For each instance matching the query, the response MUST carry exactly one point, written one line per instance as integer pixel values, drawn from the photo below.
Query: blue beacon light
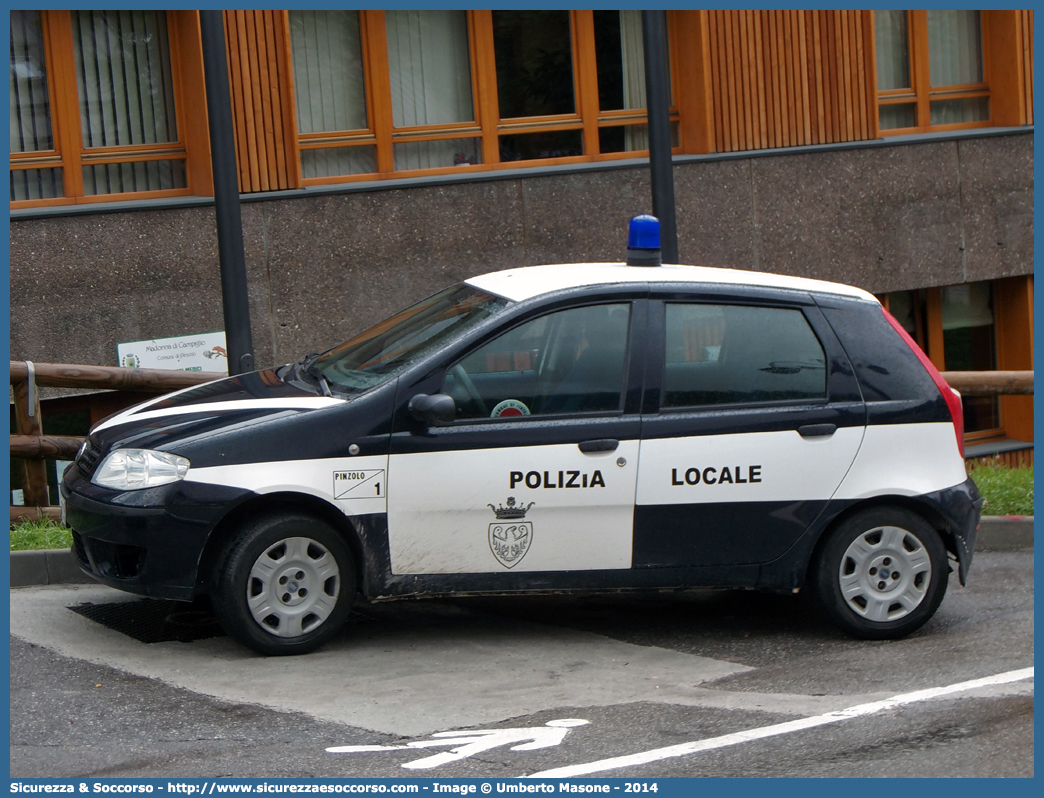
(643, 241)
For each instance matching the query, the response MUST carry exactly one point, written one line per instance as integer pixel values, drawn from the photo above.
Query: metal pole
(226, 195)
(658, 102)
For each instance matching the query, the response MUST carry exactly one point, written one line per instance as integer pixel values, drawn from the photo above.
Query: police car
(551, 428)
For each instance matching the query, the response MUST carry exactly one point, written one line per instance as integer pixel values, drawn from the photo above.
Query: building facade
(384, 154)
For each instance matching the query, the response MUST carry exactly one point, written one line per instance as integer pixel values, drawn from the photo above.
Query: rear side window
(738, 354)
(886, 367)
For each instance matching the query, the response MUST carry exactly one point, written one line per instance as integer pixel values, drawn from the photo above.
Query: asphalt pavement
(565, 682)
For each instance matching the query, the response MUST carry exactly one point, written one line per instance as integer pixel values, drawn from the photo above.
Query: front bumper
(149, 541)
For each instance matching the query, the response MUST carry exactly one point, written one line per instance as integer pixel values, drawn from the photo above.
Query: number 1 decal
(350, 484)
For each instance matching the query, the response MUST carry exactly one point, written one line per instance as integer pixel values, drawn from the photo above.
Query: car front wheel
(286, 586)
(882, 573)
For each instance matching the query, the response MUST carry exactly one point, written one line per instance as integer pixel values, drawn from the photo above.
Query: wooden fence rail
(64, 375)
(990, 383)
(31, 446)
(42, 447)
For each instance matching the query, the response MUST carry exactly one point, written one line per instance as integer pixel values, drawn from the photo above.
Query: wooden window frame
(487, 126)
(69, 153)
(921, 93)
(1013, 328)
(624, 117)
(936, 353)
(362, 137)
(411, 134)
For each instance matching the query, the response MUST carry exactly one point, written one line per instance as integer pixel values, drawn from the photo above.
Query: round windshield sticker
(508, 408)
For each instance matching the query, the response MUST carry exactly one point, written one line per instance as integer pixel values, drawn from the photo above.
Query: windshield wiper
(306, 367)
(305, 361)
(312, 370)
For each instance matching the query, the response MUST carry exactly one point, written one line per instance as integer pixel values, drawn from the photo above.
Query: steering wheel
(473, 394)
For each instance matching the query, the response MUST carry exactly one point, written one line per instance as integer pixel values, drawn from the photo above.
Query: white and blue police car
(552, 428)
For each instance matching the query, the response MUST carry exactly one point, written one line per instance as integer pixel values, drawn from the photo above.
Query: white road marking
(860, 710)
(469, 743)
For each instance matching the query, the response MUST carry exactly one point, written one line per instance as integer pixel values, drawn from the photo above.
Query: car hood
(200, 413)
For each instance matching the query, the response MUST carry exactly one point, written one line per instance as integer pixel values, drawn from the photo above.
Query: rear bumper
(961, 507)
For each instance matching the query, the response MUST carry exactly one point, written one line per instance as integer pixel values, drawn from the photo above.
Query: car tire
(286, 585)
(881, 573)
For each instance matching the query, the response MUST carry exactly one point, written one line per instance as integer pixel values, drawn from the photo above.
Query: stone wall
(323, 267)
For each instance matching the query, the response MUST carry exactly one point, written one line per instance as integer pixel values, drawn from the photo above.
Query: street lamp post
(658, 103)
(226, 196)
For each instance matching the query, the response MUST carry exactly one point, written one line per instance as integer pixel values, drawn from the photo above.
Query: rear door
(751, 420)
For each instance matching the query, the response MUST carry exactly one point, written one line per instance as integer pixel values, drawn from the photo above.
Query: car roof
(531, 281)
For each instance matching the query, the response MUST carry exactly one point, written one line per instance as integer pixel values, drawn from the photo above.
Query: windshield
(384, 350)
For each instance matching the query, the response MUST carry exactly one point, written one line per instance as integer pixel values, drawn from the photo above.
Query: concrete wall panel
(255, 247)
(81, 284)
(882, 219)
(715, 227)
(323, 267)
(339, 263)
(997, 200)
(581, 218)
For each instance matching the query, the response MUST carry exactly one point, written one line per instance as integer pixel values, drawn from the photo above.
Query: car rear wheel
(286, 585)
(882, 573)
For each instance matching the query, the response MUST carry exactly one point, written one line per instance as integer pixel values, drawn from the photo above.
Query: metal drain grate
(153, 620)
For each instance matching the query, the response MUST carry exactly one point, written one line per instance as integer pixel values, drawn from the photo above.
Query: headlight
(133, 469)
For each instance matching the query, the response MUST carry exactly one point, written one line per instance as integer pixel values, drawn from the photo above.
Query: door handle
(816, 430)
(603, 445)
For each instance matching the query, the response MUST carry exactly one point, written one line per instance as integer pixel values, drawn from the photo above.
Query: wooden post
(27, 422)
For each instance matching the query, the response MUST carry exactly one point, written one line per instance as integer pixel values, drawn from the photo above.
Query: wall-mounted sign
(202, 352)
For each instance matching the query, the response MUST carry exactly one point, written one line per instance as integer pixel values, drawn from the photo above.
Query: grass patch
(33, 535)
(1008, 491)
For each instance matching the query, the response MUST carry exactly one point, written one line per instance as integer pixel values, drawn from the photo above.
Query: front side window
(571, 361)
(736, 354)
(930, 70)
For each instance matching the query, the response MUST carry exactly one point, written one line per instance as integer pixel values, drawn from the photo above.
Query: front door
(538, 472)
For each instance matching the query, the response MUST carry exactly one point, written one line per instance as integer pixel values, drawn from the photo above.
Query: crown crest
(512, 511)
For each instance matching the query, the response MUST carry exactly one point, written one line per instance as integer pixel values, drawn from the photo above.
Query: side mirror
(436, 409)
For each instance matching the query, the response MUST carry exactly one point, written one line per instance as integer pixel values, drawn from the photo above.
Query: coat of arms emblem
(511, 536)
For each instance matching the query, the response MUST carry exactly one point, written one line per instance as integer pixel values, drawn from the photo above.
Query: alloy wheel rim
(885, 573)
(293, 586)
